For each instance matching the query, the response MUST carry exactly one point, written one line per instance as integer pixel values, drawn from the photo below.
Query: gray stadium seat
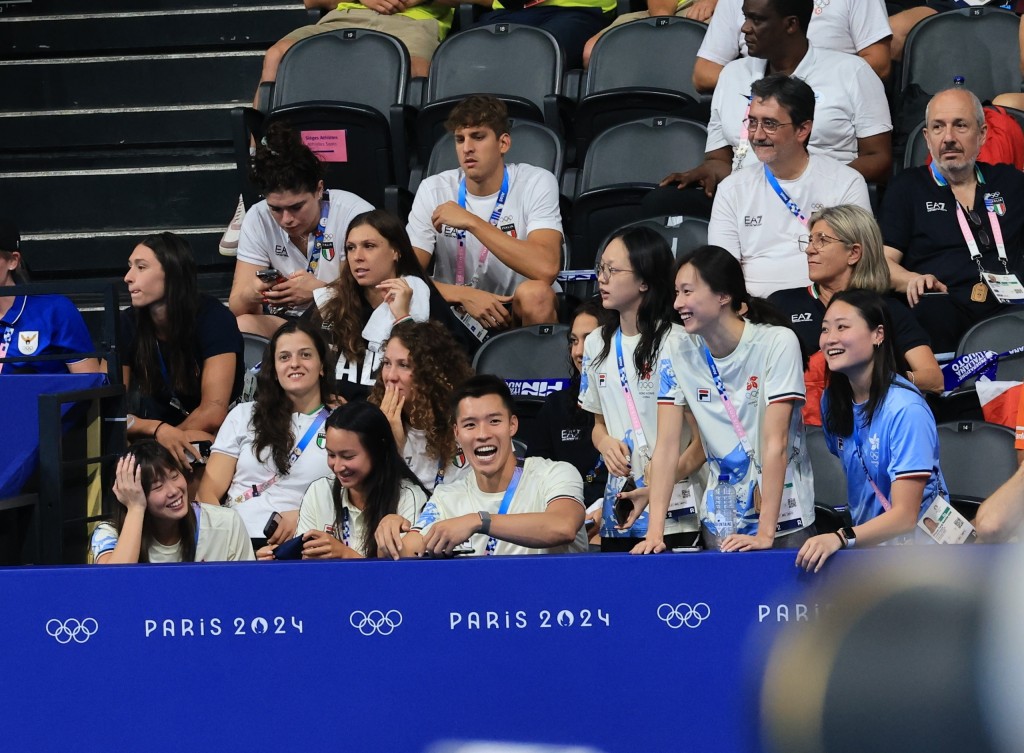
(976, 458)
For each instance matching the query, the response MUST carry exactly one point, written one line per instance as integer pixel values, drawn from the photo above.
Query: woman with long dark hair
(619, 386)
(270, 450)
(154, 521)
(297, 231)
(420, 367)
(182, 350)
(340, 513)
(562, 429)
(878, 423)
(380, 284)
(739, 374)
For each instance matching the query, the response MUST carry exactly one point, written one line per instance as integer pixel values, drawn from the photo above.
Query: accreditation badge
(1006, 288)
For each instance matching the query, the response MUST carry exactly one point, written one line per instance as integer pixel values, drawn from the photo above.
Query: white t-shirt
(222, 538)
(424, 466)
(235, 439)
(842, 25)
(317, 512)
(764, 368)
(750, 221)
(601, 392)
(542, 481)
(532, 204)
(264, 243)
(850, 103)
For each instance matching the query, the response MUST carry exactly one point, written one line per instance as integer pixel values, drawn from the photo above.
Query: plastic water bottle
(958, 82)
(724, 499)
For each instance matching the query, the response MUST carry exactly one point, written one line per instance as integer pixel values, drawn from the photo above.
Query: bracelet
(485, 522)
(406, 318)
(842, 539)
(158, 428)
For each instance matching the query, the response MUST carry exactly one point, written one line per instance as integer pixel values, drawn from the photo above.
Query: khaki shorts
(418, 35)
(625, 18)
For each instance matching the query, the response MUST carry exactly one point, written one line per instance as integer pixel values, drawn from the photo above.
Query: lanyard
(318, 238)
(346, 527)
(196, 509)
(730, 409)
(175, 401)
(5, 344)
(506, 500)
(965, 229)
(256, 490)
(791, 205)
(460, 235)
(883, 500)
(592, 473)
(634, 415)
(439, 478)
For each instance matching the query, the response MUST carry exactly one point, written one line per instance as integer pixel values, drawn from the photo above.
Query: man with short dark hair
(506, 506)
(493, 231)
(949, 226)
(759, 212)
(37, 325)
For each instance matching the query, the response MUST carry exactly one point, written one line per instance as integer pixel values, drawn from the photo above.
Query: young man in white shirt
(505, 506)
(493, 231)
(760, 212)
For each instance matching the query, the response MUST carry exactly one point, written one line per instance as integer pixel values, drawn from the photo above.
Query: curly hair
(272, 415)
(438, 366)
(345, 314)
(283, 162)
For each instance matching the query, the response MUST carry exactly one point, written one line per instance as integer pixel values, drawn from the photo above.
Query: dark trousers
(571, 27)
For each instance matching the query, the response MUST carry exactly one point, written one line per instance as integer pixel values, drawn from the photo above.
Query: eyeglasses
(768, 125)
(817, 241)
(605, 271)
(983, 236)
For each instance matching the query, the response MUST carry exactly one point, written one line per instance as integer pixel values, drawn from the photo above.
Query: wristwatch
(485, 522)
(849, 537)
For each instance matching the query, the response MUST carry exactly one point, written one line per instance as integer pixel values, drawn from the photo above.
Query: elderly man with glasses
(954, 229)
(761, 211)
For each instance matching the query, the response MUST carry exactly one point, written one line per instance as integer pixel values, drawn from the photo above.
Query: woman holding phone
(619, 386)
(268, 451)
(340, 514)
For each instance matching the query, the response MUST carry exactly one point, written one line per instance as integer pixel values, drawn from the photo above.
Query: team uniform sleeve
(723, 228)
(309, 507)
(104, 539)
(869, 23)
(411, 502)
(563, 480)
(856, 192)
(255, 246)
(909, 333)
(70, 335)
(419, 228)
(433, 511)
(913, 442)
(669, 392)
(542, 212)
(721, 40)
(590, 400)
(871, 111)
(234, 429)
(784, 375)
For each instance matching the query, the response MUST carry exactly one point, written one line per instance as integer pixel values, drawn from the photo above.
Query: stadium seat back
(532, 144)
(976, 458)
(538, 353)
(1000, 334)
(829, 474)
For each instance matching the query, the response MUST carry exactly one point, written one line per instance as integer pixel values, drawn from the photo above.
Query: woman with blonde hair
(844, 251)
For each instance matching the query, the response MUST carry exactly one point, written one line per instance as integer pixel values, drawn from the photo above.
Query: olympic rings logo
(71, 629)
(375, 621)
(675, 616)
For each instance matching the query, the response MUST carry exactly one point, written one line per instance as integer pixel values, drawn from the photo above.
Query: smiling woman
(270, 450)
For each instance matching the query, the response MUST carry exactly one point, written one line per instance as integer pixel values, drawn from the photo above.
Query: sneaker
(229, 241)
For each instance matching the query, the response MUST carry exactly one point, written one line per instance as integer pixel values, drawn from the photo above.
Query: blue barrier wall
(624, 654)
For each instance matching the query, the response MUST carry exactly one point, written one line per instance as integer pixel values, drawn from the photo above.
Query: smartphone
(200, 452)
(271, 527)
(624, 507)
(268, 275)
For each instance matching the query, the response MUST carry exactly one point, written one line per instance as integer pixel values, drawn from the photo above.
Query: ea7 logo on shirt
(797, 318)
(935, 206)
(749, 221)
(280, 250)
(449, 232)
(571, 435)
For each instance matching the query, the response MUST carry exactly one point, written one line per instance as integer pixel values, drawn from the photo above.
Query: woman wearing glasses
(618, 384)
(844, 250)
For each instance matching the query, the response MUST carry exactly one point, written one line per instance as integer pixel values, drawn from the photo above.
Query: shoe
(229, 241)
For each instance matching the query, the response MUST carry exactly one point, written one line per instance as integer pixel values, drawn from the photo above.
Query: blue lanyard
(310, 433)
(505, 502)
(592, 473)
(439, 478)
(318, 239)
(460, 235)
(346, 529)
(791, 205)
